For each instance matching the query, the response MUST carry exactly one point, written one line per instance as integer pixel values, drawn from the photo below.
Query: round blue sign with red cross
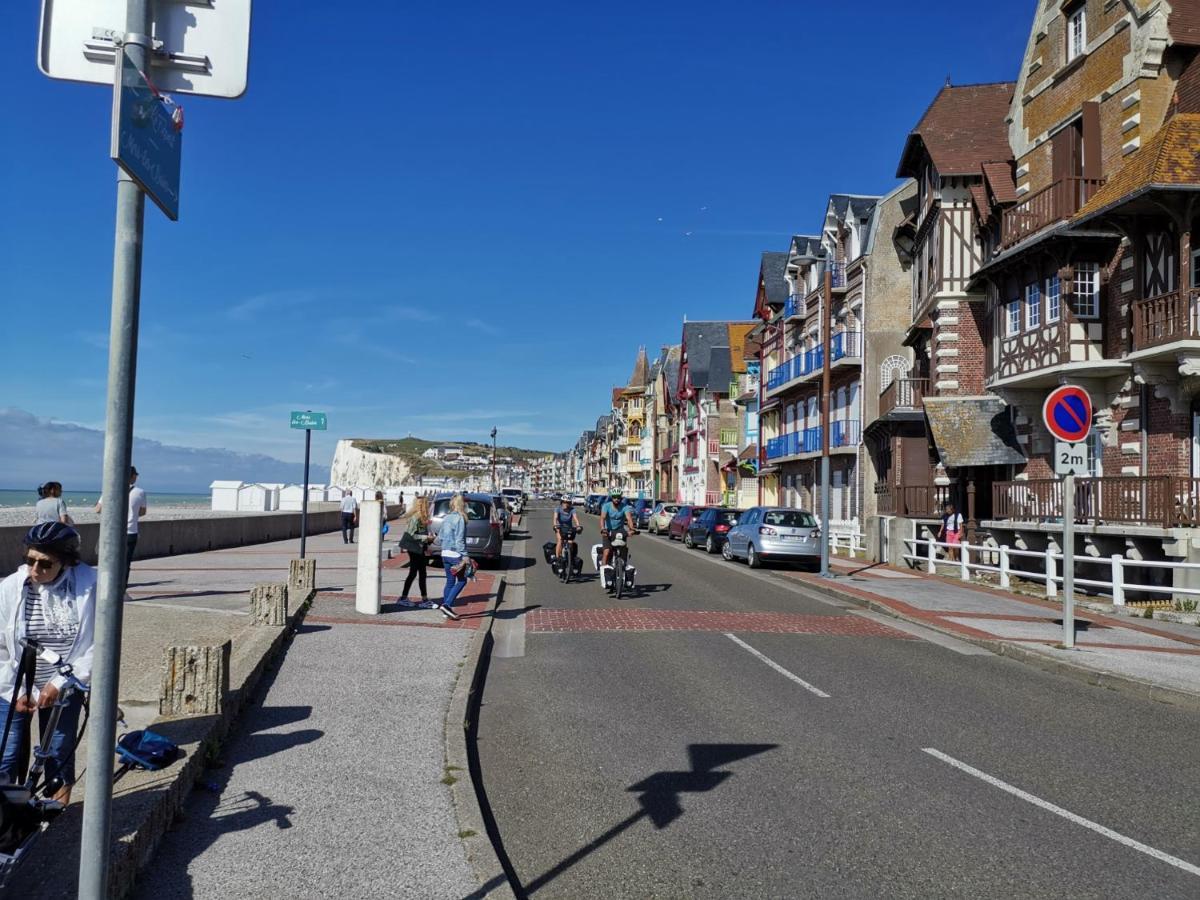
(1067, 413)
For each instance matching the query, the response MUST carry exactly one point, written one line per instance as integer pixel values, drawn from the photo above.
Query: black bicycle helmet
(56, 539)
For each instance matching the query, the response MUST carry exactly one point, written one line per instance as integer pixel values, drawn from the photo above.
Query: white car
(578, 500)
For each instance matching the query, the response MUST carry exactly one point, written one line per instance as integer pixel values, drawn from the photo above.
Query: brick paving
(337, 608)
(546, 621)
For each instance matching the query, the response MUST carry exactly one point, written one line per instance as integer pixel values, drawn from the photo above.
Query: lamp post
(493, 459)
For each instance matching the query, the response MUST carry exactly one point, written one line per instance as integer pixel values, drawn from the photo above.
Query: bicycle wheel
(619, 575)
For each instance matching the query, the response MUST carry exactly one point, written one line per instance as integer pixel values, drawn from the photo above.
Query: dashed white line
(777, 667)
(1066, 814)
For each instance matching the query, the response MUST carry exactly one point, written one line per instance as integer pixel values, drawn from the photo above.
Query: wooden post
(971, 522)
(268, 604)
(195, 680)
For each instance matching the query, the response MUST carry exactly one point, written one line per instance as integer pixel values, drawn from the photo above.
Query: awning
(973, 431)
(728, 461)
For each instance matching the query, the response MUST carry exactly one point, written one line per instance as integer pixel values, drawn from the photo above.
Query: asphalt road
(852, 761)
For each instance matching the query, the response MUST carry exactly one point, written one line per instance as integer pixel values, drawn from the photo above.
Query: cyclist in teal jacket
(614, 516)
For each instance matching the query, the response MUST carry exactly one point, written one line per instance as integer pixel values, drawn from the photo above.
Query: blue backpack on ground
(146, 750)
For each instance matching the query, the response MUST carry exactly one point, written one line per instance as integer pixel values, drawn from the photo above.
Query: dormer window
(1076, 32)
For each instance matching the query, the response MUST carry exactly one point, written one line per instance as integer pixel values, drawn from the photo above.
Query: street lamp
(494, 486)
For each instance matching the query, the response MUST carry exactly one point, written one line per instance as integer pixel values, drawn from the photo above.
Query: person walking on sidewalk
(49, 599)
(453, 538)
(415, 542)
(951, 531)
(137, 509)
(349, 517)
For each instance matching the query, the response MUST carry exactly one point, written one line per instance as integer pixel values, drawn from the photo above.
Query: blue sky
(434, 218)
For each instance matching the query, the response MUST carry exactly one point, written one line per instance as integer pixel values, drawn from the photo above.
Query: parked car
(515, 497)
(682, 520)
(641, 513)
(578, 500)
(660, 517)
(503, 511)
(485, 532)
(593, 502)
(768, 532)
(710, 528)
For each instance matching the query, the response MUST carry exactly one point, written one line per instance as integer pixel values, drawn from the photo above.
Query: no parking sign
(1067, 413)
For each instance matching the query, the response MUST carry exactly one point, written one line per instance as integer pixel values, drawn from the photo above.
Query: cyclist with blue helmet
(615, 516)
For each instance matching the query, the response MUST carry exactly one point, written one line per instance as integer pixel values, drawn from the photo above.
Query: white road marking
(1066, 814)
(777, 667)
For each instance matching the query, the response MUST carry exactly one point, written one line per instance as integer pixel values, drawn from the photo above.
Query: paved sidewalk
(1159, 655)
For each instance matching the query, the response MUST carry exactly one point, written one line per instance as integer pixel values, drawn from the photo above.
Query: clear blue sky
(439, 217)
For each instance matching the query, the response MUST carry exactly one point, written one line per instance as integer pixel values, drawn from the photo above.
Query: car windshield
(728, 517)
(790, 518)
(476, 509)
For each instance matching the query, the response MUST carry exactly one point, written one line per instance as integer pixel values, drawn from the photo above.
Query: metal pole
(304, 498)
(1068, 572)
(118, 447)
(826, 325)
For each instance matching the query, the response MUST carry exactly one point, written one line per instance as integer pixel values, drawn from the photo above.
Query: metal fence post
(964, 566)
(1118, 580)
(1004, 580)
(1051, 574)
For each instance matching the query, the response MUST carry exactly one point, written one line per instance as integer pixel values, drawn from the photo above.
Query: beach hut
(333, 493)
(316, 493)
(252, 498)
(225, 495)
(291, 497)
(273, 490)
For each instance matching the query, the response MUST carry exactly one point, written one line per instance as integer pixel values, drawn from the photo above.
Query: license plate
(474, 540)
(793, 537)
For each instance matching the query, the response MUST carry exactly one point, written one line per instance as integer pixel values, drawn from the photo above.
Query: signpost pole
(304, 497)
(826, 325)
(118, 448)
(1068, 569)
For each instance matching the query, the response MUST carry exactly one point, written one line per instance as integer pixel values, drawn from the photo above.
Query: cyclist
(614, 516)
(566, 522)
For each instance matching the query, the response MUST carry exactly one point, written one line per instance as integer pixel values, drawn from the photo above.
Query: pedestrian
(49, 599)
(349, 517)
(137, 509)
(52, 507)
(951, 531)
(415, 542)
(453, 538)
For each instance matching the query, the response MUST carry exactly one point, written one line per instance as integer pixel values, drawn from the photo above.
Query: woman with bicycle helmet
(49, 599)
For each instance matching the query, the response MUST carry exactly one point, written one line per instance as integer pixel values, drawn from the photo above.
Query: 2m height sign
(1067, 413)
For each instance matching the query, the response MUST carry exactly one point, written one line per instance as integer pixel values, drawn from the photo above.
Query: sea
(87, 499)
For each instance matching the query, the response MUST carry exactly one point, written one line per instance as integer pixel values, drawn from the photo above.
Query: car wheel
(670, 535)
(727, 552)
(753, 558)
(688, 542)
(710, 545)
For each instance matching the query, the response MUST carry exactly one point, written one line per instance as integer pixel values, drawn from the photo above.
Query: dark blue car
(641, 513)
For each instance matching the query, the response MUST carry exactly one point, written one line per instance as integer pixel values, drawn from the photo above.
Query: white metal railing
(1000, 563)
(846, 535)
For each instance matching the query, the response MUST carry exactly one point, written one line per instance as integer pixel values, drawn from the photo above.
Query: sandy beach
(23, 515)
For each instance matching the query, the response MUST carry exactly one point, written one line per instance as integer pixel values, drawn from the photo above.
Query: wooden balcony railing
(1166, 318)
(1165, 501)
(903, 393)
(917, 502)
(1051, 204)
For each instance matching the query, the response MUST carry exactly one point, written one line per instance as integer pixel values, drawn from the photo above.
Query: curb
(461, 718)
(1112, 681)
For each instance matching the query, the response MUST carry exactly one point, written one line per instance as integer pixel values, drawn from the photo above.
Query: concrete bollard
(268, 604)
(195, 680)
(369, 584)
(302, 581)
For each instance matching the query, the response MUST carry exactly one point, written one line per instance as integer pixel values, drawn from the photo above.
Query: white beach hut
(316, 493)
(225, 495)
(273, 490)
(252, 498)
(291, 497)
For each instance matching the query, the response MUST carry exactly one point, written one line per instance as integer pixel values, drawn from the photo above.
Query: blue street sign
(1067, 413)
(145, 140)
(309, 420)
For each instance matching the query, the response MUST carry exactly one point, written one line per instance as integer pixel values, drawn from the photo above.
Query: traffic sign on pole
(309, 420)
(1067, 413)
(1071, 459)
(147, 139)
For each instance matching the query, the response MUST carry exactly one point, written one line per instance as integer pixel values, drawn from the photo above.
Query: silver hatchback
(774, 533)
(485, 531)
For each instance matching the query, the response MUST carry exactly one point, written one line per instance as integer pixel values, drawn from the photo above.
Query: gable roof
(699, 340)
(738, 336)
(1167, 160)
(962, 128)
(640, 370)
(806, 246)
(770, 277)
(851, 206)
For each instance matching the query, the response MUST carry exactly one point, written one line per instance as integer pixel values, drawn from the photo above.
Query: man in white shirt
(349, 517)
(137, 509)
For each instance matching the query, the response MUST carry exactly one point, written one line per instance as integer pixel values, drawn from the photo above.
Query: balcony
(729, 437)
(1166, 319)
(845, 345)
(794, 307)
(1051, 204)
(843, 434)
(837, 274)
(714, 447)
(903, 393)
(1163, 501)
(915, 502)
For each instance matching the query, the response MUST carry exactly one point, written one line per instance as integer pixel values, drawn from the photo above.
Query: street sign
(146, 141)
(1071, 459)
(1067, 413)
(309, 420)
(201, 47)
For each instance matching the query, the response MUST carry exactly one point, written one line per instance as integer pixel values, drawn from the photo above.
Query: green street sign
(309, 420)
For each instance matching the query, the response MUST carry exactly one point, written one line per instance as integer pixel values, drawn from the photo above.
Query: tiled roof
(979, 196)
(1002, 181)
(699, 339)
(1169, 158)
(1184, 23)
(963, 128)
(771, 271)
(640, 369)
(737, 346)
(973, 431)
(806, 246)
(720, 373)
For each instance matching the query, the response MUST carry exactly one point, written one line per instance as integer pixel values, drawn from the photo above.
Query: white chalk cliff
(357, 468)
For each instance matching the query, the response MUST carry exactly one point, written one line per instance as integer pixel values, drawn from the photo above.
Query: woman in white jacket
(51, 599)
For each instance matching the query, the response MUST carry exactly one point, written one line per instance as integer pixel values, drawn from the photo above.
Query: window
(1076, 33)
(787, 519)
(1086, 301)
(1053, 296)
(1014, 316)
(1033, 305)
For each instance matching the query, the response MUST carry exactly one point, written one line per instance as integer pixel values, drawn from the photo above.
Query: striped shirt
(53, 623)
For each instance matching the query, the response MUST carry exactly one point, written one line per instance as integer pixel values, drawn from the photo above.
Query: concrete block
(268, 604)
(302, 581)
(1132, 448)
(195, 680)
